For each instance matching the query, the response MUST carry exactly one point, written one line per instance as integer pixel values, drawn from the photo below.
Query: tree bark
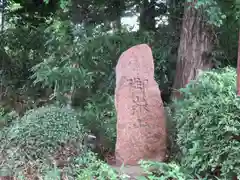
(194, 52)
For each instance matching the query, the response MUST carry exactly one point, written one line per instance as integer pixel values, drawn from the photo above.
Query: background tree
(61, 55)
(201, 26)
(196, 45)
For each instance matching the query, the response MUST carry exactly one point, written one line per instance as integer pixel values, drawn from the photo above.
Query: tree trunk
(147, 16)
(194, 52)
(118, 6)
(117, 26)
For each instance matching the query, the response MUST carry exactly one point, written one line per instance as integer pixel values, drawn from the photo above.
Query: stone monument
(141, 128)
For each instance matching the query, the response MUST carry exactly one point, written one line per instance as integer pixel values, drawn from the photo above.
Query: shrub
(99, 117)
(92, 168)
(88, 62)
(7, 117)
(160, 170)
(208, 124)
(39, 134)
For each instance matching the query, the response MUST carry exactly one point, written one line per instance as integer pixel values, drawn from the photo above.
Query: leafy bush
(165, 171)
(90, 167)
(99, 117)
(39, 134)
(6, 118)
(18, 56)
(93, 168)
(208, 124)
(74, 59)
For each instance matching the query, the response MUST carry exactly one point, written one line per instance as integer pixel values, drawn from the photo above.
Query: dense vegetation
(208, 124)
(58, 59)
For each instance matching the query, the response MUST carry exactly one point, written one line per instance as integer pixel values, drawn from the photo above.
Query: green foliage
(165, 171)
(213, 11)
(99, 11)
(227, 34)
(93, 168)
(90, 167)
(85, 58)
(80, 61)
(6, 118)
(208, 124)
(39, 134)
(99, 117)
(20, 48)
(2, 116)
(45, 129)
(217, 12)
(69, 57)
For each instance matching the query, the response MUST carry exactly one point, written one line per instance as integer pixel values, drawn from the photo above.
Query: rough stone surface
(141, 129)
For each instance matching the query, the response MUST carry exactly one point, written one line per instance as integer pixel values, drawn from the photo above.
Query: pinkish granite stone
(141, 129)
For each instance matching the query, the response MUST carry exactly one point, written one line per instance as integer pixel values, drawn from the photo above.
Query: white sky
(132, 22)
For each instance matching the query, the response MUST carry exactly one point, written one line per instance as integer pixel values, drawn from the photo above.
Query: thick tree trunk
(194, 52)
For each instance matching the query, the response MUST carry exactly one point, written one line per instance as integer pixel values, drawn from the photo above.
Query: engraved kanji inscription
(138, 90)
(137, 83)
